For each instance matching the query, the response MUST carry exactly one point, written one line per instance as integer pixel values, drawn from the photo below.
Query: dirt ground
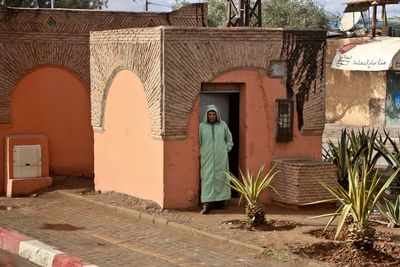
(288, 231)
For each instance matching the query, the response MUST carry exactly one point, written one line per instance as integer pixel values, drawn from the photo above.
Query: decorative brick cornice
(83, 21)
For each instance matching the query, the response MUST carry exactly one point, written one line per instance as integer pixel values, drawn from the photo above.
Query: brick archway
(24, 57)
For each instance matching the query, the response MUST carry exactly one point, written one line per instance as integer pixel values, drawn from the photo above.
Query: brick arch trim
(261, 70)
(122, 52)
(23, 57)
(194, 56)
(177, 115)
(108, 84)
(37, 68)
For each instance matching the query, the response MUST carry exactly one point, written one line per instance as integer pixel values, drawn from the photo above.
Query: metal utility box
(27, 161)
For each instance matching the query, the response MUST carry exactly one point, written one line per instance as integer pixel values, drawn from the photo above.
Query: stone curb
(37, 252)
(160, 221)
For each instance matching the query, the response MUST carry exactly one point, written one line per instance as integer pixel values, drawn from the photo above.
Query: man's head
(211, 116)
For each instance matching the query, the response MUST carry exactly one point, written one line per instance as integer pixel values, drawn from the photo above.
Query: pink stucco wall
(127, 158)
(181, 159)
(257, 138)
(54, 102)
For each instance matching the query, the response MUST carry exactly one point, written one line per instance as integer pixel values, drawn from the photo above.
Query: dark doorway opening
(227, 98)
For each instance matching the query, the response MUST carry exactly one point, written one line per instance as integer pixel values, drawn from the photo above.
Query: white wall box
(27, 161)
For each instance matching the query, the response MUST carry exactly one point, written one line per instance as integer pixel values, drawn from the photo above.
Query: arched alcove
(52, 100)
(127, 158)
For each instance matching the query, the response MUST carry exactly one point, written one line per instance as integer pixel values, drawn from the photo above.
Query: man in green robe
(215, 143)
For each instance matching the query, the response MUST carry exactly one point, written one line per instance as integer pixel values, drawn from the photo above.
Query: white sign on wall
(361, 62)
(377, 55)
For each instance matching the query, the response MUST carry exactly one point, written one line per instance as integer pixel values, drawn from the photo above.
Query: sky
(334, 6)
(164, 5)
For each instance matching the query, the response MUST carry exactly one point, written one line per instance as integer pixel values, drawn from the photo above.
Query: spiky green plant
(393, 153)
(250, 188)
(357, 204)
(365, 147)
(339, 155)
(392, 212)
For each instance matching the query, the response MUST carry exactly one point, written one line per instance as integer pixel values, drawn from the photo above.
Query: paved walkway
(99, 236)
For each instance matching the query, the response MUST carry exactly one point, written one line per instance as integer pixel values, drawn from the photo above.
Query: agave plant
(365, 147)
(339, 155)
(393, 154)
(392, 212)
(357, 204)
(250, 188)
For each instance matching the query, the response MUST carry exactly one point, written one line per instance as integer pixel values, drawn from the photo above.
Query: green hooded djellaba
(215, 143)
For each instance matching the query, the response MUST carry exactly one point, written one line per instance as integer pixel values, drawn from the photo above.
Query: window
(284, 120)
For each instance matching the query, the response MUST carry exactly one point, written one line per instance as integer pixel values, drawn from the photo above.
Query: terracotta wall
(181, 166)
(257, 138)
(127, 158)
(54, 102)
(353, 97)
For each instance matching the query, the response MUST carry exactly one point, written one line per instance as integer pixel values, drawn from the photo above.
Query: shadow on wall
(305, 73)
(355, 97)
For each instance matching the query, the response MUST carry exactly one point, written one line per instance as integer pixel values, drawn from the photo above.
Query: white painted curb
(38, 252)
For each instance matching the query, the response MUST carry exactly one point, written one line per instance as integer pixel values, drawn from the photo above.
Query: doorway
(227, 98)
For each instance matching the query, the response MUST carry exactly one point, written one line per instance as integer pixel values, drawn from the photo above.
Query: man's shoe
(206, 209)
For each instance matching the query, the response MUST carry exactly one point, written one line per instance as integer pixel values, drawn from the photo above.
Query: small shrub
(392, 212)
(250, 188)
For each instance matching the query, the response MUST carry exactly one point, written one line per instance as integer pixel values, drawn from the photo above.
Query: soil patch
(268, 225)
(135, 203)
(386, 250)
(126, 201)
(341, 254)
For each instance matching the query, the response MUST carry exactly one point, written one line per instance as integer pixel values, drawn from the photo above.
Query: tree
(294, 14)
(275, 13)
(78, 4)
(179, 3)
(217, 13)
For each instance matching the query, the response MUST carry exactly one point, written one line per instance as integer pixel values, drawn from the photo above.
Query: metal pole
(384, 15)
(229, 14)
(52, 4)
(146, 5)
(241, 12)
(373, 22)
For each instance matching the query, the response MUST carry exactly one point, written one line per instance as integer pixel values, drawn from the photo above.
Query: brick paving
(83, 230)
